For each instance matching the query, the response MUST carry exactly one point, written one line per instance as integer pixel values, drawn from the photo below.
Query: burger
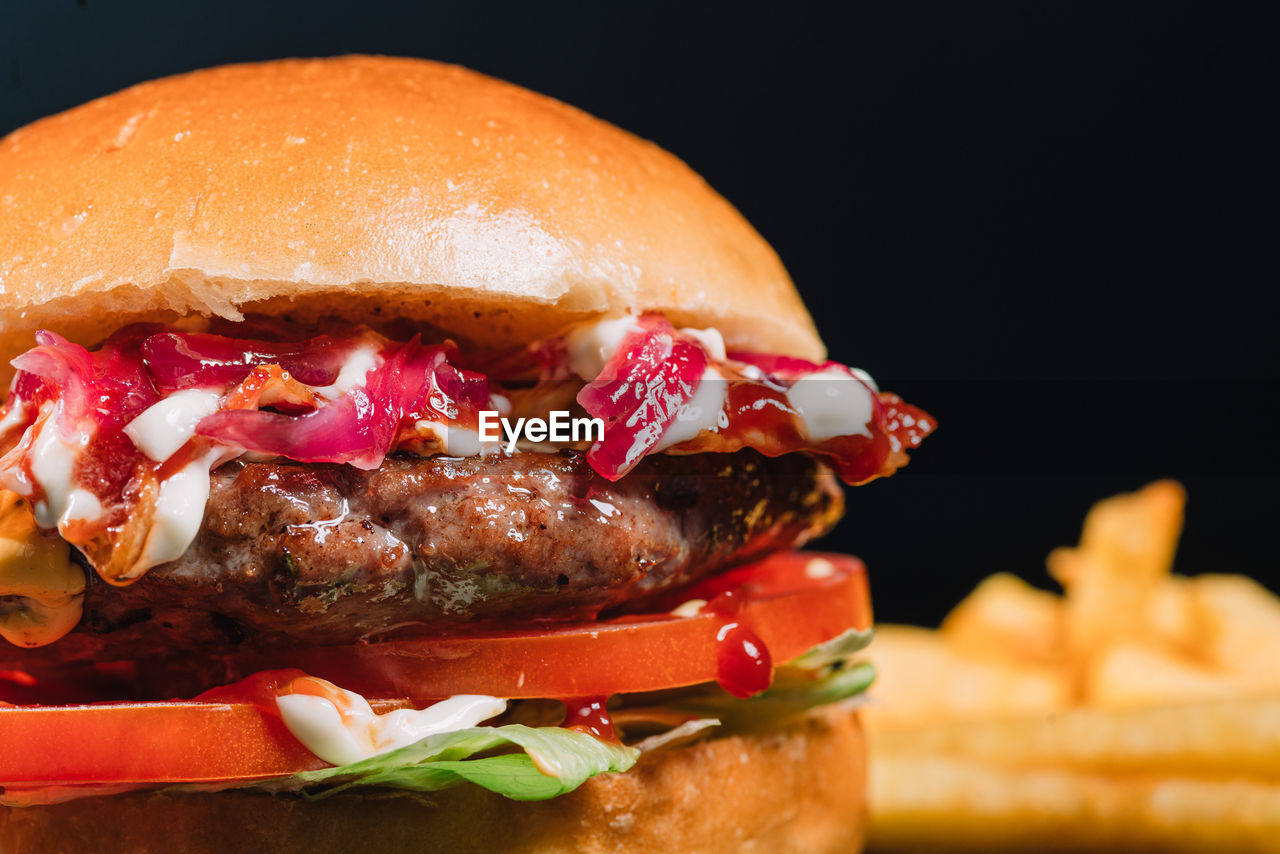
(394, 459)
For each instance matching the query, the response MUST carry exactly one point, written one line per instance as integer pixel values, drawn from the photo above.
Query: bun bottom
(799, 789)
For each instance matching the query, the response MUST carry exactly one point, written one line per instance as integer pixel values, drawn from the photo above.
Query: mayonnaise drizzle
(703, 412)
(355, 370)
(16, 415)
(52, 462)
(342, 728)
(166, 426)
(456, 441)
(179, 512)
(589, 346)
(832, 403)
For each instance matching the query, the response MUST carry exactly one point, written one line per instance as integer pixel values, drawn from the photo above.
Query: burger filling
(239, 495)
(291, 553)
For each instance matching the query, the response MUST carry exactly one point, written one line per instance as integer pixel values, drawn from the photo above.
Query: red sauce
(744, 666)
(589, 715)
(761, 417)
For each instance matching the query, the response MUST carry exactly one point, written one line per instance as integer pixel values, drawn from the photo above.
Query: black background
(1051, 224)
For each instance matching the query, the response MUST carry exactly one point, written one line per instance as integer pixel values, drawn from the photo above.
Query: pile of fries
(1138, 711)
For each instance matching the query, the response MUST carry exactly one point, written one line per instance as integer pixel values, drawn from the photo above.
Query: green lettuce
(551, 761)
(527, 763)
(794, 691)
(837, 650)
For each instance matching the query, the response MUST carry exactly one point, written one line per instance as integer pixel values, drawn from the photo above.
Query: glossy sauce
(744, 666)
(589, 715)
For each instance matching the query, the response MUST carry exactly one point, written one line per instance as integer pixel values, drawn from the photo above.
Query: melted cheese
(166, 426)
(341, 728)
(831, 403)
(41, 590)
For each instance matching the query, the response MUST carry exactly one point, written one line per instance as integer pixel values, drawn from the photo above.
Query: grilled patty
(318, 554)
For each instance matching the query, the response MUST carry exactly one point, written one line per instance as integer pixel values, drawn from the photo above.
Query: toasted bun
(368, 187)
(801, 789)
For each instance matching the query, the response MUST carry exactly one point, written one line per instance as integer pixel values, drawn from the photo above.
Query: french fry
(1133, 673)
(1176, 619)
(1140, 711)
(1126, 549)
(1243, 635)
(1222, 738)
(947, 804)
(920, 678)
(1006, 617)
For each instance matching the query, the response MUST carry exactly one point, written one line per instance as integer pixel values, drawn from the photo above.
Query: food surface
(1140, 711)
(798, 788)
(376, 429)
(370, 187)
(113, 447)
(327, 554)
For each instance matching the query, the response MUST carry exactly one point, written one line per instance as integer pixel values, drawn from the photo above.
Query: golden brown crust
(361, 184)
(801, 789)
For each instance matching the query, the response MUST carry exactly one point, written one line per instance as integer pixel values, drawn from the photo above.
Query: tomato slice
(146, 743)
(791, 601)
(787, 602)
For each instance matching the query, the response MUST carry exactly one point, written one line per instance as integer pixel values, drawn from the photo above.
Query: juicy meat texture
(294, 554)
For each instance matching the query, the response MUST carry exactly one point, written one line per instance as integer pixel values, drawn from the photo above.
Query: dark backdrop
(1052, 224)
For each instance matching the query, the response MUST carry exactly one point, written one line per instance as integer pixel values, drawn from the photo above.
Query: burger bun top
(369, 188)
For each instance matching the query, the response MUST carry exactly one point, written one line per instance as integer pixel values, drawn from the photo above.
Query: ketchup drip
(589, 715)
(744, 666)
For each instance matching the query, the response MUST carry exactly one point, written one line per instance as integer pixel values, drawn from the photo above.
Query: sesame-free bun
(799, 788)
(368, 187)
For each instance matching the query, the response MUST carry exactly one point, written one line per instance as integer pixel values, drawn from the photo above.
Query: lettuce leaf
(551, 761)
(794, 692)
(536, 763)
(839, 649)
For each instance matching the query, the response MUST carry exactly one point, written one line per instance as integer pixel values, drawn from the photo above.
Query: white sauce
(703, 411)
(353, 373)
(457, 441)
(831, 403)
(819, 567)
(166, 426)
(361, 733)
(691, 608)
(500, 404)
(158, 432)
(82, 505)
(52, 461)
(179, 512)
(590, 345)
(16, 415)
(711, 340)
(865, 377)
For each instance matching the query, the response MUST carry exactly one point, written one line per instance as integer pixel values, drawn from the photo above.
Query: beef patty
(319, 554)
